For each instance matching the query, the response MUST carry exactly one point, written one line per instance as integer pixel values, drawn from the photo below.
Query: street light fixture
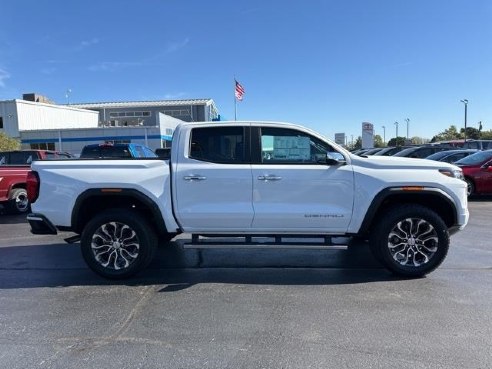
(408, 124)
(384, 135)
(465, 101)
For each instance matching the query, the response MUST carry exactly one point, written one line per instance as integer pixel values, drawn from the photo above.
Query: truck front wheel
(118, 243)
(410, 241)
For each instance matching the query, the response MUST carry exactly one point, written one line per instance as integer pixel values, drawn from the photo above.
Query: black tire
(166, 238)
(471, 187)
(413, 256)
(118, 243)
(18, 201)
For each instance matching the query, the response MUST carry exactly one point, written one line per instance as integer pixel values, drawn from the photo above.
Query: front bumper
(462, 221)
(40, 224)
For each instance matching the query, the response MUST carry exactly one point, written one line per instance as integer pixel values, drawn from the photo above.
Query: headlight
(455, 173)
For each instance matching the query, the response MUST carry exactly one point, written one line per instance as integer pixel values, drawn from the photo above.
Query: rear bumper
(40, 224)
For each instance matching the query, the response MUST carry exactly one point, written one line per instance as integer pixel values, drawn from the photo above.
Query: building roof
(52, 106)
(134, 104)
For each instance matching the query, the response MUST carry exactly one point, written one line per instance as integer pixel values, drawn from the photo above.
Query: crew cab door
(212, 180)
(294, 189)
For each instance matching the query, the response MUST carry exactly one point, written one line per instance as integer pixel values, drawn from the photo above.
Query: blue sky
(329, 65)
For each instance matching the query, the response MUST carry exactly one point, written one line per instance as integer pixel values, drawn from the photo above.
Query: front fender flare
(410, 194)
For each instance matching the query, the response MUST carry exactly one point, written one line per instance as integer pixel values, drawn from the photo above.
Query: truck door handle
(269, 178)
(194, 178)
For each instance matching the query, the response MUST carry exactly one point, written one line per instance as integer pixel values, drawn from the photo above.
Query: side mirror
(335, 158)
(487, 167)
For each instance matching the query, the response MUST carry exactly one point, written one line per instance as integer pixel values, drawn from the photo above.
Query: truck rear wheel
(18, 202)
(411, 241)
(118, 243)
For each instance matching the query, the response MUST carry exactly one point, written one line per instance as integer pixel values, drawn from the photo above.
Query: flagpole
(235, 100)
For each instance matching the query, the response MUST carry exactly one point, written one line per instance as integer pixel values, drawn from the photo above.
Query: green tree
(471, 133)
(486, 135)
(419, 140)
(452, 133)
(378, 141)
(357, 144)
(448, 134)
(8, 143)
(397, 141)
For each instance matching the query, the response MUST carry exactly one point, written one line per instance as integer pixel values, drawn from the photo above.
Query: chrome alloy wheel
(22, 202)
(115, 245)
(412, 242)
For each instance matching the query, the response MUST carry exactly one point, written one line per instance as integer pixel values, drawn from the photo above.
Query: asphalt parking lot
(244, 308)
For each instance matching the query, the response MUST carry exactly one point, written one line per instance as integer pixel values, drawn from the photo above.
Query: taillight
(32, 186)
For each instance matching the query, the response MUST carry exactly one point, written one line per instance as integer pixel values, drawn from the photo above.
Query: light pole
(384, 135)
(465, 101)
(396, 124)
(408, 124)
(67, 95)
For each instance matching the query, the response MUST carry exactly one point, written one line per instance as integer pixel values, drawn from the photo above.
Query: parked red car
(26, 157)
(14, 168)
(477, 169)
(13, 194)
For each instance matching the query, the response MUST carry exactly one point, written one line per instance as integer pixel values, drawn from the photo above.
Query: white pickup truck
(256, 181)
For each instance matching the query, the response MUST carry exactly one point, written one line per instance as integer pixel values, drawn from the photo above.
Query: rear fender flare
(76, 219)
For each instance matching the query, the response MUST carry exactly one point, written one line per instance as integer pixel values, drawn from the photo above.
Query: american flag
(239, 91)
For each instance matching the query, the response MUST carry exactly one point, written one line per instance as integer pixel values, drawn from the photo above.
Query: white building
(146, 112)
(74, 139)
(21, 115)
(40, 124)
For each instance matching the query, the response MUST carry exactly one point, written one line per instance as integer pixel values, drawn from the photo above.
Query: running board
(266, 242)
(72, 239)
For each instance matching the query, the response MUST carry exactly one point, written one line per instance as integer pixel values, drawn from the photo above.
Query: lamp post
(465, 101)
(384, 135)
(67, 95)
(408, 125)
(396, 124)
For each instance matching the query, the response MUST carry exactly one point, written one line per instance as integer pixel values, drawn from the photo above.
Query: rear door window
(90, 152)
(472, 145)
(148, 153)
(21, 158)
(223, 145)
(115, 152)
(139, 151)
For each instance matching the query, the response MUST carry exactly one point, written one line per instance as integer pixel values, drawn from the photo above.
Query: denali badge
(323, 215)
